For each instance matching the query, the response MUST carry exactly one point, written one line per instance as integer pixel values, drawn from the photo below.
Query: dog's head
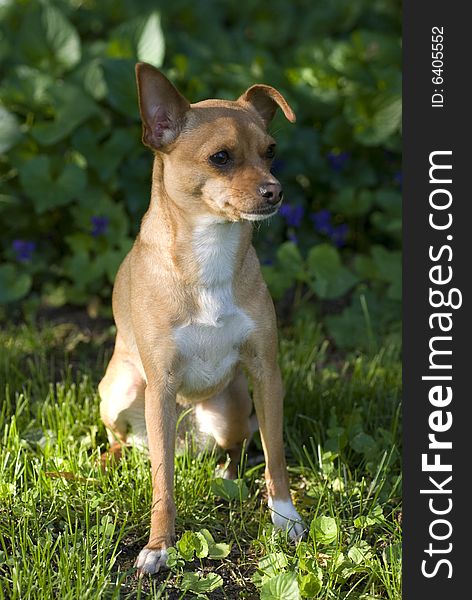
(217, 154)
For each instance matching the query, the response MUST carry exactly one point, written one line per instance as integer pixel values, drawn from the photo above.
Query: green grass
(69, 531)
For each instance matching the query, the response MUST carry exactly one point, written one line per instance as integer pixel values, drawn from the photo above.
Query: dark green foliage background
(71, 151)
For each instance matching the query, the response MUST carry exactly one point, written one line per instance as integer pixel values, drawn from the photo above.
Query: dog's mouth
(261, 214)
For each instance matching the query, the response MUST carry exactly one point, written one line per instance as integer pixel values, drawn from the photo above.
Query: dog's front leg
(160, 415)
(268, 402)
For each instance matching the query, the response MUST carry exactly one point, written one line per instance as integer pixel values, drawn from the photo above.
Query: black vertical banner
(437, 273)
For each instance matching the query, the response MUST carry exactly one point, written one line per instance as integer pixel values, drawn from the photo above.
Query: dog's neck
(203, 248)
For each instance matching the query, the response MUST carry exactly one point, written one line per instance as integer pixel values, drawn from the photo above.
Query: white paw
(150, 561)
(285, 517)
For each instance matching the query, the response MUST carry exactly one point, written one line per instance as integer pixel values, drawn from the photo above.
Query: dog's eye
(220, 158)
(270, 152)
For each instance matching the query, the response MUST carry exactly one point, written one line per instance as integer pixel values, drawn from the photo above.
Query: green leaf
(360, 553)
(337, 439)
(310, 585)
(27, 88)
(219, 551)
(323, 530)
(215, 551)
(277, 280)
(120, 80)
(189, 580)
(345, 568)
(308, 564)
(360, 324)
(349, 329)
(390, 201)
(108, 262)
(364, 444)
(140, 38)
(174, 561)
(72, 106)
(14, 285)
(281, 587)
(377, 46)
(388, 116)
(365, 267)
(375, 517)
(151, 44)
(195, 583)
(385, 224)
(187, 545)
(47, 190)
(389, 266)
(290, 260)
(90, 75)
(82, 270)
(210, 583)
(123, 39)
(10, 131)
(230, 489)
(374, 118)
(48, 40)
(328, 277)
(105, 158)
(192, 543)
(388, 263)
(273, 563)
(80, 241)
(63, 39)
(363, 522)
(106, 529)
(208, 537)
(352, 203)
(288, 269)
(201, 545)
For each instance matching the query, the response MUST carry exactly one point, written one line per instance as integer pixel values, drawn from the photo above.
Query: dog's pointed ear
(265, 100)
(161, 105)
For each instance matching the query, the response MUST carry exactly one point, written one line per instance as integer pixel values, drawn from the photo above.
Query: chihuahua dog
(192, 311)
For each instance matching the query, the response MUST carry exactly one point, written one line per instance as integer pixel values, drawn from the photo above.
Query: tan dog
(190, 305)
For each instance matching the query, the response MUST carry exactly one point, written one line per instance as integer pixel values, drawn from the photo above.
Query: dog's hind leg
(227, 417)
(122, 399)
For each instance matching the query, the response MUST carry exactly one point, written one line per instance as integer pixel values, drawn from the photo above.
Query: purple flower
(322, 221)
(339, 234)
(267, 262)
(398, 178)
(337, 160)
(292, 214)
(99, 225)
(23, 250)
(292, 237)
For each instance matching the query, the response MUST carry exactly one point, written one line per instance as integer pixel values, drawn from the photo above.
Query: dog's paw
(150, 561)
(285, 517)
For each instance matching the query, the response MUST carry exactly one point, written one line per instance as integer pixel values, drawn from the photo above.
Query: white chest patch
(209, 342)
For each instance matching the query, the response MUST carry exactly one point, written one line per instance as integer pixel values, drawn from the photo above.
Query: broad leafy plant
(75, 178)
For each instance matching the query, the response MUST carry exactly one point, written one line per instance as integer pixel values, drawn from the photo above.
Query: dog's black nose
(272, 192)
